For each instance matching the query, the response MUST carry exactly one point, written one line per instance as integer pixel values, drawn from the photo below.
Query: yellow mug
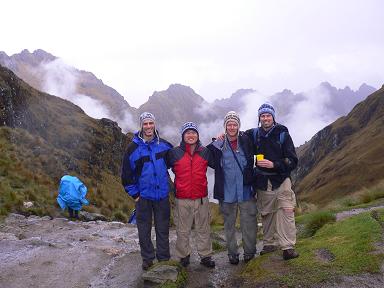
(259, 157)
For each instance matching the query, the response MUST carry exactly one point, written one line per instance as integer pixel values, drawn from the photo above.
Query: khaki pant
(186, 212)
(277, 214)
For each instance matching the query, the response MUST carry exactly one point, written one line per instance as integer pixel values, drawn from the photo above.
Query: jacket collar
(140, 141)
(184, 145)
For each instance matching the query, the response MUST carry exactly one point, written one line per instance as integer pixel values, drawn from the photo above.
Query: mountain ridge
(119, 109)
(349, 151)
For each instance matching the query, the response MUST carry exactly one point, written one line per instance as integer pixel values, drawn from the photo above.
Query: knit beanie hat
(188, 126)
(231, 116)
(144, 116)
(267, 108)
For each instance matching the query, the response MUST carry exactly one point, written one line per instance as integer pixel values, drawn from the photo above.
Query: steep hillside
(345, 156)
(42, 137)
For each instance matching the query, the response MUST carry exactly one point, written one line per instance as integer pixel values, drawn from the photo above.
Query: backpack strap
(256, 137)
(255, 132)
(282, 137)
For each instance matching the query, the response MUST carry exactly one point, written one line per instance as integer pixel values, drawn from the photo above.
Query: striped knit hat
(267, 108)
(188, 126)
(231, 116)
(144, 116)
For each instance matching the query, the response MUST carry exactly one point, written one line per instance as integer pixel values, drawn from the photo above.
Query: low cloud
(61, 80)
(309, 116)
(127, 123)
(304, 116)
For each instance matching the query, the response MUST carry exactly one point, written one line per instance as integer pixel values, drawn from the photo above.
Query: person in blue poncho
(72, 195)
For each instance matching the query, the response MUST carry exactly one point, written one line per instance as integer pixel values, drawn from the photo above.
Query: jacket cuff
(135, 196)
(278, 166)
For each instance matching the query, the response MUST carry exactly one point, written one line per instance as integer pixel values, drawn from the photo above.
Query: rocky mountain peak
(366, 89)
(34, 59)
(175, 95)
(179, 87)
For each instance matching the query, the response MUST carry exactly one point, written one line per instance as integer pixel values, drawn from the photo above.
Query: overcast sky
(215, 47)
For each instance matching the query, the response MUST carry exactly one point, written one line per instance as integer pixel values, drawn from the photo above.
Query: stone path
(40, 252)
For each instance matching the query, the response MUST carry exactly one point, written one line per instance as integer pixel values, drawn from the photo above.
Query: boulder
(86, 216)
(161, 273)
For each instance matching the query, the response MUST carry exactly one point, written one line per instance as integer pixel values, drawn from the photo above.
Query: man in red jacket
(189, 163)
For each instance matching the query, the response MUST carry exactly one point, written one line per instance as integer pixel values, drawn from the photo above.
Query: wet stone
(8, 236)
(160, 274)
(324, 255)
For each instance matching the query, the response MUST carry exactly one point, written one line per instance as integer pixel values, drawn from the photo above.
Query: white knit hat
(144, 116)
(231, 116)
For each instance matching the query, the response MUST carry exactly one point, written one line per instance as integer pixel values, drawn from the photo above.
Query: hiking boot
(147, 264)
(185, 261)
(248, 258)
(290, 254)
(207, 262)
(233, 259)
(268, 249)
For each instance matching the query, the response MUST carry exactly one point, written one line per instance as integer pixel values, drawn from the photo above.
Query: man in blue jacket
(145, 179)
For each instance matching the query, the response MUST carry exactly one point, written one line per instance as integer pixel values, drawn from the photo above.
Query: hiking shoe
(185, 261)
(290, 254)
(248, 258)
(147, 264)
(233, 259)
(268, 249)
(207, 262)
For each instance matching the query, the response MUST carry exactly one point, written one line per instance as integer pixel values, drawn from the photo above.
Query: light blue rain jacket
(72, 193)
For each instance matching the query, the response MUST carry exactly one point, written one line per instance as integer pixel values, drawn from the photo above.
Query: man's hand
(265, 163)
(137, 199)
(220, 136)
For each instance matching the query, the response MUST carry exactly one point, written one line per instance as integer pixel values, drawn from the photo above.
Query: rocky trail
(45, 252)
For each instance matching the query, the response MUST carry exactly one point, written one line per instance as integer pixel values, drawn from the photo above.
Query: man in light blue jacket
(233, 160)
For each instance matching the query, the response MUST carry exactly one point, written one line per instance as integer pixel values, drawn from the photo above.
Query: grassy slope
(52, 136)
(351, 244)
(357, 161)
(25, 176)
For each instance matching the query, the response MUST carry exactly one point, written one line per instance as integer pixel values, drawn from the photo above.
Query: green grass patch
(217, 247)
(350, 247)
(314, 221)
(217, 228)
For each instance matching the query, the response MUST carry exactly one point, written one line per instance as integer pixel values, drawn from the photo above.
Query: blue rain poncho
(72, 193)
